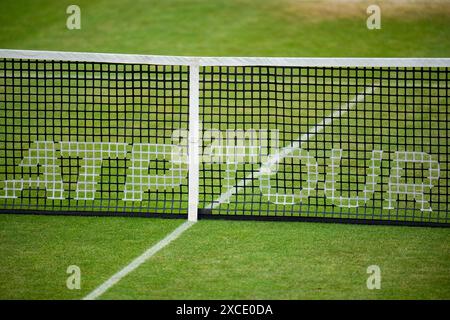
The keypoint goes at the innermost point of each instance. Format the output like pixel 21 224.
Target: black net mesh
pixel 352 143
pixel 358 144
pixel 92 137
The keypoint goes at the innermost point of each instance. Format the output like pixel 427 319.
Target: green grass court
pixel 235 259
pixel 221 259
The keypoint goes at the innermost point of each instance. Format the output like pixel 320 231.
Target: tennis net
pixel 345 140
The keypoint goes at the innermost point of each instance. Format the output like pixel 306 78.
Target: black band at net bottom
pixel 206 214
pixel 95 213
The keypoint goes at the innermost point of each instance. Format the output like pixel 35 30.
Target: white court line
pixel 286 151
pixel 150 252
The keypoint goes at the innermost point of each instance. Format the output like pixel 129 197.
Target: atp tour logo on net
pixel 232 148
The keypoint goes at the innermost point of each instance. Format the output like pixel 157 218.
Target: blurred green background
pixel 230 27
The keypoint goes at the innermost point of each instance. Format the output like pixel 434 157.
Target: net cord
pixel 223 61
